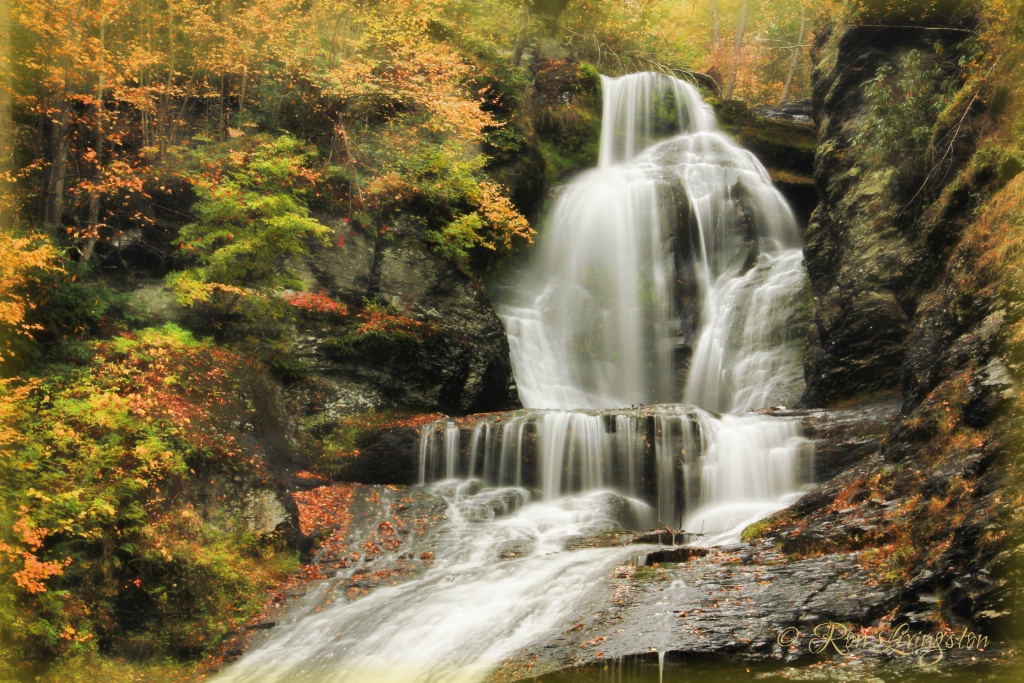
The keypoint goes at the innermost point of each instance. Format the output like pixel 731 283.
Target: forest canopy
pixel 394 93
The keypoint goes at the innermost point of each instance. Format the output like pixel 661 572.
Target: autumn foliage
pixel 214 141
pixel 318 305
pixel 24 258
pixel 209 146
pixel 104 481
pixel 119 89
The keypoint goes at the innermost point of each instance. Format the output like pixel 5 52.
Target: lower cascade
pixel 677 466
pixel 663 305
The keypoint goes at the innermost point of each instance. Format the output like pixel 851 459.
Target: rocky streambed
pixel 727 610
pixel 807 588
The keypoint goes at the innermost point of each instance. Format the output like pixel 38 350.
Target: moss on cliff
pixel 567 117
pixel 878 240
pixel 784 146
pixel 916 257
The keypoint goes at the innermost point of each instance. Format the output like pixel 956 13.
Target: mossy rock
pixel 377 455
pixel 996 164
pixel 566 116
pixel 756 530
pixel 785 145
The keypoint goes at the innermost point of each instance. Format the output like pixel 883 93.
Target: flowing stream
pixel 671 272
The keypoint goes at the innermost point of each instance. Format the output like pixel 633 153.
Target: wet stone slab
pixel 357 539
pixel 730 601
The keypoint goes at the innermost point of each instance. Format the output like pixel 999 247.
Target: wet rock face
pixel 903 309
pixel 844 438
pixel 783 138
pixel 354 539
pixel 875 243
pixel 743 601
pixel 460 362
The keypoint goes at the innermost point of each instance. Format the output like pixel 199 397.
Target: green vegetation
pixel 112 542
pixel 378 329
pixel 756 530
pixel 567 119
pixel 211 145
pixel 652 573
pixel 251 214
pixel 904 101
pixel 332 443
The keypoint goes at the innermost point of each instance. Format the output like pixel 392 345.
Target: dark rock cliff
pixel 459 364
pixel 876 242
pixel 902 305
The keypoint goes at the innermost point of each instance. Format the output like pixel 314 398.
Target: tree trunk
pixel 163 111
pixel 57 118
pixel 53 207
pixel 737 47
pixel 7 203
pixel 221 110
pixel 241 96
pixel 524 26
pixel 97 145
pixel 94 197
pixel 716 35
pixel 797 51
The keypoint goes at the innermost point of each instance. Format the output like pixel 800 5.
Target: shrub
pixel 251 215
pixel 903 102
pixel 379 330
pixel 102 538
pixel 332 444
pixel 317 306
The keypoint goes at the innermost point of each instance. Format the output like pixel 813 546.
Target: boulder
pixel 459 361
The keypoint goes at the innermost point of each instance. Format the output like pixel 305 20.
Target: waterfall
pixel 669 255
pixel 747 355
pixel 671 272
pixel 470 611
pixel 592 325
pixel 670 461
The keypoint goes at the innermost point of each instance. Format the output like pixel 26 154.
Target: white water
pixel 672 271
pixel 468 613
pixel 747 356
pixel 683 242
pixel 678 459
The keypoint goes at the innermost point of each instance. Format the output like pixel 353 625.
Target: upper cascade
pixel 641 109
pixel 671 270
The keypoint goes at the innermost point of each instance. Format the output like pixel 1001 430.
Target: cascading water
pixel 664 246
pixel 467 614
pixel 671 271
